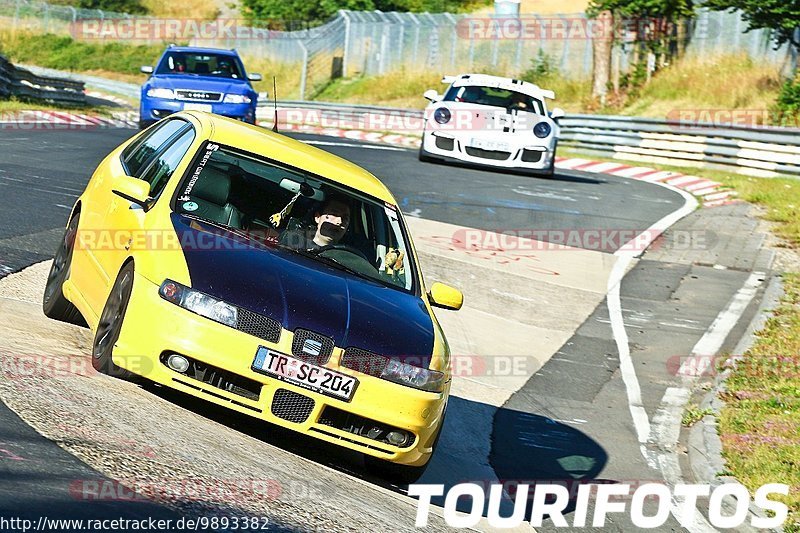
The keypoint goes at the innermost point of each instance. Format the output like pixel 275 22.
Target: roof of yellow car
pixel 275 146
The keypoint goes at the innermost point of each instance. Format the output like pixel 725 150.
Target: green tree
pixel 120 6
pixel 782 16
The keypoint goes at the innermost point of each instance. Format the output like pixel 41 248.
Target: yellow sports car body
pixel 202 256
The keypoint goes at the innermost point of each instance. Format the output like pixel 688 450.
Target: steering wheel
pixel 343 247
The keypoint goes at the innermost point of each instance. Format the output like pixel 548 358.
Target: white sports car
pixel 489 120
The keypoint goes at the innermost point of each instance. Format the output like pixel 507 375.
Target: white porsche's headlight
pixel 169 94
pixel 198 302
pixel 236 99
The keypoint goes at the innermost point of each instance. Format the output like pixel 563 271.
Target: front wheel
pixel 54 304
pixel 110 325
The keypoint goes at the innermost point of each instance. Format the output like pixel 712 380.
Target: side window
pixel 141 153
pixel 163 166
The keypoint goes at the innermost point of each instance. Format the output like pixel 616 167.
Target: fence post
pixel 16 13
pixel 454 42
pixel 416 38
pixel 400 38
pixel 346 52
pixel 304 71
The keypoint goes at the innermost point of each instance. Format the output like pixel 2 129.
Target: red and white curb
pixel 711 193
pixel 110 97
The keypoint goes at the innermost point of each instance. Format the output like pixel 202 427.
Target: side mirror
pixel 133 190
pixel 557 113
pixel 446 297
pixel 146 69
pixel 432 95
pixel 254 77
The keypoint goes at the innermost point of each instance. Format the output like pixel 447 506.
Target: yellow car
pixel 253 271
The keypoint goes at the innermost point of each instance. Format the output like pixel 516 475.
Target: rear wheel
pixel 54 304
pixel 110 325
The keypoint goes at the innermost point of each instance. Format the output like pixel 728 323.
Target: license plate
pixel 311 377
pixel 197 107
pixel 486 144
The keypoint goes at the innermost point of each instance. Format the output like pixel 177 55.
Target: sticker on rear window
pixel 210 149
pixel 190 206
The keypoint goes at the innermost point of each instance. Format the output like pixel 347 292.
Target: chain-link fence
pixel 374 42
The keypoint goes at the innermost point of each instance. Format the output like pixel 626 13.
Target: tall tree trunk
pixel 601 53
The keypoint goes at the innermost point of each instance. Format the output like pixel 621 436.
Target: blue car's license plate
pixel 298 372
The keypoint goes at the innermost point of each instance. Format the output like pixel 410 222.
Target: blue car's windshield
pixel 203 64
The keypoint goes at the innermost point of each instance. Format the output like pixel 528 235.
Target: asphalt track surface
pixel 43 171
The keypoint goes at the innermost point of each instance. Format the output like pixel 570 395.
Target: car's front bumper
pixel 521 152
pixel 144 339
pixel 154 109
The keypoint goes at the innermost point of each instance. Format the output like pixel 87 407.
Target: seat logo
pixel 312 347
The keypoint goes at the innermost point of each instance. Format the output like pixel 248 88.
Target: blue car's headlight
pixel 237 99
pixel 542 130
pixel 198 302
pixel 161 93
pixel 442 115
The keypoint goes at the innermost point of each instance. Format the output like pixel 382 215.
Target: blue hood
pixel 300 292
pixel 200 83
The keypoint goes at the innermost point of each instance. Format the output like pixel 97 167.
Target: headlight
pixel 542 130
pixel 442 115
pixel 236 99
pixel 161 93
pixel 413 376
pixel 198 302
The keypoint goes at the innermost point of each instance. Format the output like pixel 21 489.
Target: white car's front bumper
pixel 512 152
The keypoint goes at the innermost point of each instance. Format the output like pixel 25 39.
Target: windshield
pixel 474 94
pixel 220 65
pixel 303 213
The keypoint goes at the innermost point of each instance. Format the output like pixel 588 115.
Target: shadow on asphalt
pixel 525 448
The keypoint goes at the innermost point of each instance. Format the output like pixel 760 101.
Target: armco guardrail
pixel 24 84
pixel 762 151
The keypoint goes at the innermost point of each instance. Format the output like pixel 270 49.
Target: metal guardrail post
pixel 304 71
pixel 346 45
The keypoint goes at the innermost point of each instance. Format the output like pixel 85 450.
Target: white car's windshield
pixel 285 207
pixel 510 100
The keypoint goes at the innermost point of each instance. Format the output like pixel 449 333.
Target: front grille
pixel 358 425
pixel 219 378
pixel 204 96
pixel 363 361
pixel 443 143
pixel 258 325
pixel 487 154
pixel 312 347
pixel 531 156
pixel 291 406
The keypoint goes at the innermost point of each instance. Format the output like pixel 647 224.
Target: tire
pixel 397 473
pixel 110 325
pixel 54 304
pixel 423 155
